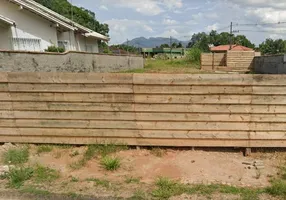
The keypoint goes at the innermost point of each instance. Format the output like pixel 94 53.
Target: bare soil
pixel 186 166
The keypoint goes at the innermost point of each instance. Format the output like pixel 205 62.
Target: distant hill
pixel 152 42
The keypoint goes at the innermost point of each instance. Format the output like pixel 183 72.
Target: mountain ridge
pixel 153 42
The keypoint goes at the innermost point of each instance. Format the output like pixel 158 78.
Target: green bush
pixel 55 49
pixel 15 156
pixel 194 55
pixel 17 176
pixel 45 174
pixel 110 163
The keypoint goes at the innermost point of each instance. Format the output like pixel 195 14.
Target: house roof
pixel 7 20
pixel 57 18
pixel 233 48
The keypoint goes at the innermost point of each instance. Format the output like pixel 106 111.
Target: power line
pixel 260 24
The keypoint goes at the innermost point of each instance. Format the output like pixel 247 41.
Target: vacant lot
pixel 168 66
pixel 118 172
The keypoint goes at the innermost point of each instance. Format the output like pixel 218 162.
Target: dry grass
pixel 168 66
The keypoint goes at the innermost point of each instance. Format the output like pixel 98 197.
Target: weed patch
pixel 97 150
pixel 109 163
pixel 158 152
pixel 45 174
pixel 44 149
pixel 35 191
pixel 130 179
pixel 100 182
pixel 17 176
pixel 15 156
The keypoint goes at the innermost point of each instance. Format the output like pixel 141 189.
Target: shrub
pixel 44 149
pixel 45 174
pixel 17 176
pixel 110 163
pixel 194 55
pixel 55 49
pixel 16 156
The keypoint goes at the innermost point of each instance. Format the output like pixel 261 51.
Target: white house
pixel 29 26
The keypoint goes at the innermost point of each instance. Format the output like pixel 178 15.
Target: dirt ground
pixel 185 166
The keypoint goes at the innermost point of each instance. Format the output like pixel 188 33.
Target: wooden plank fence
pixel 223 110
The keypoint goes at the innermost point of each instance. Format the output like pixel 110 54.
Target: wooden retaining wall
pixel 240 59
pixel 210 61
pixel 223 110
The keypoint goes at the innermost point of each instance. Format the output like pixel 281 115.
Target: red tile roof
pixel 233 48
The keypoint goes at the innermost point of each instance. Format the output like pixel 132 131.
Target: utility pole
pixel 127 46
pixel 230 37
pixel 171 47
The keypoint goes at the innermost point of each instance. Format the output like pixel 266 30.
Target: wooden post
pixel 247 151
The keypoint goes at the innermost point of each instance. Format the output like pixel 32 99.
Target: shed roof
pixel 233 48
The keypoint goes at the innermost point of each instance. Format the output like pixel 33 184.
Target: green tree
pixel 203 40
pixel 273 47
pixel 164 46
pixel 80 15
pixel 242 40
pixel 180 45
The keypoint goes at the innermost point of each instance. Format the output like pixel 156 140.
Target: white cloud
pixel 148 28
pixel 168 33
pixel 121 29
pixel 280 4
pixel 103 7
pixel 169 22
pixel 212 27
pixel 147 7
pixel 267 14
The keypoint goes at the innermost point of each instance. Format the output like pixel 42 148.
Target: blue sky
pixel 180 19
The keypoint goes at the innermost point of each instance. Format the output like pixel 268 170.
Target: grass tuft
pixel 15 156
pixel 130 179
pixel 139 195
pixel 158 152
pixel 44 149
pixel 97 150
pixel 45 174
pixel 167 188
pixel 99 182
pixel 35 191
pixel 109 163
pixel 17 176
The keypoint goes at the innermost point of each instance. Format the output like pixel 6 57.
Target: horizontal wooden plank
pixel 143 125
pixel 209 79
pixel 78 88
pixel 124 133
pixel 68 115
pixel 52 106
pixel 67 97
pixel 56 77
pixel 128 141
pixel 237 135
pixel 132 116
pixel 201 99
pixel 3 77
pixel 211 99
pixel 208 108
pixel 269 90
pixel 145 89
pixel 160 108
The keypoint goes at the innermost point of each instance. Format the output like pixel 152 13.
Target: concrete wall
pixel 69 62
pixel 270 64
pixel 29 25
pixel 5 35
